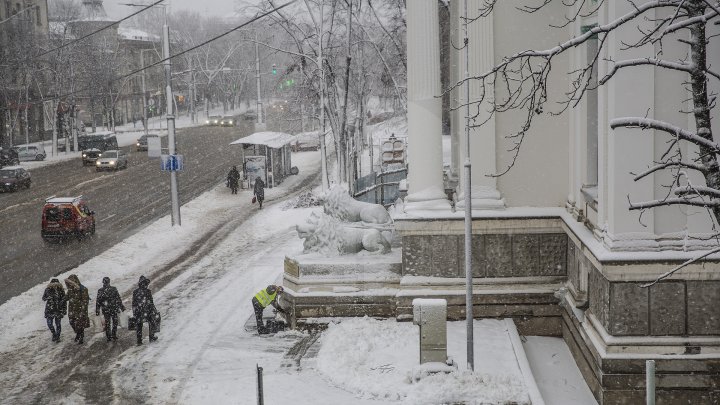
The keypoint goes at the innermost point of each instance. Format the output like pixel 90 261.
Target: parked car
pixel 14 177
pixel 306 141
pixel 8 157
pixel 227 121
pixel 66 216
pixel 250 115
pixel 112 160
pixel 213 120
pixel 141 143
pixel 30 152
pixel 93 145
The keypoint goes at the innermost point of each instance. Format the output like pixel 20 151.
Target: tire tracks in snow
pixel 64 372
pixel 191 290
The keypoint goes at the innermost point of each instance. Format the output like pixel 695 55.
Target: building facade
pixel 555 245
pixel 24 26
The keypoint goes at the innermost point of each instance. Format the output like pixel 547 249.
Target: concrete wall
pixel 494 255
pixel 623 308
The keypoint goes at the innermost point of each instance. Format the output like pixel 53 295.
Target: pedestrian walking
pixel 144 310
pixel 109 302
pixel 261 300
pixel 55 307
pixel 78 299
pixel 259 190
pixel 233 179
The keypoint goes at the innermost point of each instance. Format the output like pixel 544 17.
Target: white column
pixel 482 139
pixel 629 93
pixel 457 125
pixel 576 118
pixel 425 172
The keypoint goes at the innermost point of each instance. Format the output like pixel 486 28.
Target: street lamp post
pixel 175 203
pixel 144 92
pixel 259 106
pixel 468 209
pixel 174 200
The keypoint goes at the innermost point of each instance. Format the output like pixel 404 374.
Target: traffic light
pixel 274 69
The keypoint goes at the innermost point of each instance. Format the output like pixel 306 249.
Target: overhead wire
pixel 98 30
pixel 252 20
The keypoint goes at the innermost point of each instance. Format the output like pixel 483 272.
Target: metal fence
pixel 380 188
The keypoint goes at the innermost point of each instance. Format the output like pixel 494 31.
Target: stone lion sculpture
pixel 338 204
pixel 327 235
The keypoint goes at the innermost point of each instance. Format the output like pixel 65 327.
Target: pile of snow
pixel 374 359
pixel 304 200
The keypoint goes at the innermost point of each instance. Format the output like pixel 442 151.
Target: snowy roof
pixel 103 133
pixel 62 200
pixel 136 34
pixel 271 139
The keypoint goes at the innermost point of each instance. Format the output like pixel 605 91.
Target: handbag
pixel 254 199
pixel 156 320
pixel 132 323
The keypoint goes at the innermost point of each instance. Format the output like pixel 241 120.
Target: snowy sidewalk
pixel 203 286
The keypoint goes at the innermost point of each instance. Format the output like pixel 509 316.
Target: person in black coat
pixel 109 302
pixel 143 309
pixel 233 179
pixel 259 190
pixel 55 307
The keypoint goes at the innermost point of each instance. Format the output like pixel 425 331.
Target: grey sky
pixel 218 8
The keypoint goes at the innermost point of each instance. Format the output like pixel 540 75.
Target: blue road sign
pixel 171 163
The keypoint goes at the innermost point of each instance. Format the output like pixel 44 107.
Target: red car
pixel 66 216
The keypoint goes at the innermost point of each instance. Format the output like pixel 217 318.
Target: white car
pixel 31 152
pixel 112 160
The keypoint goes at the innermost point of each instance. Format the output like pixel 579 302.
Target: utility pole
pixel 259 106
pixel 175 212
pixel 144 93
pixel 323 152
pixel 191 92
pixel 73 111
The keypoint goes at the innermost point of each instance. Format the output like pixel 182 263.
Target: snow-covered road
pixel 215 253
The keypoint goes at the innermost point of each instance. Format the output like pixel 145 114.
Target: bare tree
pixel 354 58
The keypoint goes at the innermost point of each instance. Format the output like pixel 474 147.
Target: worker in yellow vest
pixel 266 296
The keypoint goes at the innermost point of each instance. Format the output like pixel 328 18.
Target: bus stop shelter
pixel 266 155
